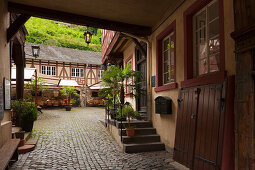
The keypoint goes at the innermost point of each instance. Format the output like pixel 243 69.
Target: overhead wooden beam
pixel 79 19
pixel 16 25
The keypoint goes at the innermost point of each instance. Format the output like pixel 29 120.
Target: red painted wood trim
pixel 166 87
pixel 109 49
pixel 126 61
pixel 188 37
pixel 228 151
pixel 159 75
pixel 211 78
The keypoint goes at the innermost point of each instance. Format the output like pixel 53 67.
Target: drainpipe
pixel 149 73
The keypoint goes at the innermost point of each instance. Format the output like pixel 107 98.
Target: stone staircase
pixel 24 147
pixel 145 140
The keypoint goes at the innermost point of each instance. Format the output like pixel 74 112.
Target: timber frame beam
pixel 16 25
pixel 79 19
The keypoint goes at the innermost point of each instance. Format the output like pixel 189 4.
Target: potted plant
pixel 28 116
pixel 17 108
pixel 25 113
pixel 67 92
pixel 129 113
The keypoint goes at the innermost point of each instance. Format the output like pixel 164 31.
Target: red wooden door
pixel 199 127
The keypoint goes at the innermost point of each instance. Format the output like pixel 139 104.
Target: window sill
pixel 166 87
pixel 212 78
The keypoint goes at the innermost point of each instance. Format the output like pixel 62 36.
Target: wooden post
pixel 244 37
pixel 20 81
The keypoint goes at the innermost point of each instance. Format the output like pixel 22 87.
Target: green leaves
pixel 48 32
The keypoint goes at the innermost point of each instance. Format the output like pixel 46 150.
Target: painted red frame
pixel 215 77
pixel 130 58
pixel 159 75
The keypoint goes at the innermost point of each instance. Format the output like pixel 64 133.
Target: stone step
pixel 26 148
pixel 140 131
pixel 143 147
pixel 141 139
pixel 135 124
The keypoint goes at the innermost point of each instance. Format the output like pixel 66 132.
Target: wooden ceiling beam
pixel 79 19
pixel 16 25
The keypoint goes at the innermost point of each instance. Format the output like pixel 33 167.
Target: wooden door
pixel 141 65
pixel 199 130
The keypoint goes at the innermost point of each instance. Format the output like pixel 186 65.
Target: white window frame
pixel 195 30
pixel 77 72
pixel 171 79
pixel 48 70
pixel 100 74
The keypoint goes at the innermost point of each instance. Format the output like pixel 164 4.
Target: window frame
pixel 210 78
pixel 100 73
pixel 46 70
pixel 160 86
pixel 75 73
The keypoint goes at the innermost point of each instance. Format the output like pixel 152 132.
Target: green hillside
pixel 54 33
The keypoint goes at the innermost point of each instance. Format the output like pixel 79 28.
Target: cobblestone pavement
pixel 77 140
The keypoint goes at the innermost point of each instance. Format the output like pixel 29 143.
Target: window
pixel 165 59
pixel 168 59
pixel 49 70
pixel 94 94
pixel 100 74
pixel 206 43
pixel 77 72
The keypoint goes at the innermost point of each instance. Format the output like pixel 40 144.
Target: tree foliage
pixel 54 33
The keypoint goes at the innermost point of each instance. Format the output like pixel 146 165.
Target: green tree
pixel 67 92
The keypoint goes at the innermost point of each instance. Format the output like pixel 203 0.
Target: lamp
pixel 87 36
pixel 35 50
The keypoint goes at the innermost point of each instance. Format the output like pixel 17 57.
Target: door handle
pixel 193 116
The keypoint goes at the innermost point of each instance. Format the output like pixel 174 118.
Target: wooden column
pixel 244 37
pixel 18 55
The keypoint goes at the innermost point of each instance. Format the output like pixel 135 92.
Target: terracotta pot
pixel 130 132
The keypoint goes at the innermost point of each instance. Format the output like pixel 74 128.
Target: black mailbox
pixel 163 105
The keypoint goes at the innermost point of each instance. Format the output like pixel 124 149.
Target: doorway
pixel 141 66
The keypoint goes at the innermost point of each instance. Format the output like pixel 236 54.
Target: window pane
pixel 214 46
pixel 165 56
pixel 53 71
pixel 214 62
pixel 166 44
pixel 203 66
pixel 43 70
pixel 166 78
pixel 214 28
pixel 82 73
pixel 77 72
pixel 200 19
pixel 213 11
pixel 165 70
pixel 48 70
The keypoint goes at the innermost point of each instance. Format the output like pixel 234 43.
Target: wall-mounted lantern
pixel 35 50
pixel 88 37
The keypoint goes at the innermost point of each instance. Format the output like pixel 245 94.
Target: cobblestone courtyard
pixel 77 140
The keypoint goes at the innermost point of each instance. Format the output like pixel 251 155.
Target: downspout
pixel 149 72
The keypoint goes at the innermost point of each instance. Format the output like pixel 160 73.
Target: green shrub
pixel 29 113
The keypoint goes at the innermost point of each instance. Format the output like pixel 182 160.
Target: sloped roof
pixel 61 54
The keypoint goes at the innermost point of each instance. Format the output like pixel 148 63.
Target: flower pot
pixel 68 108
pixel 130 132
pixel 27 125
